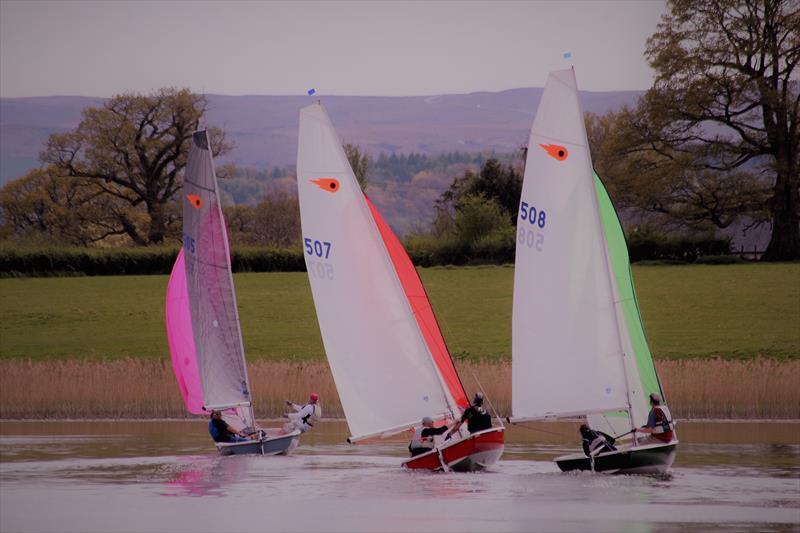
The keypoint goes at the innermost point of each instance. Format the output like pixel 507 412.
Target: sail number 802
pixel 317 248
pixel 529 213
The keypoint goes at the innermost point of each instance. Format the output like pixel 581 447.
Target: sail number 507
pixel 317 248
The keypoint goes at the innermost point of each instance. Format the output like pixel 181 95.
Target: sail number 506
pixel 318 248
pixel 529 213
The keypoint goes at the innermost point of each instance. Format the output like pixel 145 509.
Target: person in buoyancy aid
pixel 221 431
pixel 475 416
pixel 595 442
pixel 660 425
pixel 304 415
pixel 423 439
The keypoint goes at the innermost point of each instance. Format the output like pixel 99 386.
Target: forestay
pixel 215 318
pixel 567 344
pixel 384 372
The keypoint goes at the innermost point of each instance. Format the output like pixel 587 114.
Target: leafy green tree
pixel 274 221
pixel 132 150
pixel 724 110
pixel 670 192
pixel 45 207
pixel 359 162
pixel 495 181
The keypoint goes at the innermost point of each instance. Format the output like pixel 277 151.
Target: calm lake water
pixel 166 476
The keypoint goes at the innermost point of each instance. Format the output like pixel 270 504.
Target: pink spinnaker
pixel 181 339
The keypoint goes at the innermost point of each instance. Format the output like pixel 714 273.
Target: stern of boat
pixel 647 459
pixel 476 452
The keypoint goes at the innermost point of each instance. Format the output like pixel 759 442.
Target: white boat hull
pixel 267 445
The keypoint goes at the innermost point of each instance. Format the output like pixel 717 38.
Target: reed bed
pixel 717 388
pixel 143 388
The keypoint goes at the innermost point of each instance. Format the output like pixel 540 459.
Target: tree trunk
pixel 784 245
pixel 158 224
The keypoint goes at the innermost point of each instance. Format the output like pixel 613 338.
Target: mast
pixel 609 270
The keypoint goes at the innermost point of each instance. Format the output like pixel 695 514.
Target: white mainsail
pixel 212 300
pixel 384 372
pixel 571 350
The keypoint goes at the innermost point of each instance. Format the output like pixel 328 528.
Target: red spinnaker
pixel 421 306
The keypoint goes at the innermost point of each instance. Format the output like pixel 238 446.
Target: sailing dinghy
pixel 203 332
pixel 382 340
pixel 578 345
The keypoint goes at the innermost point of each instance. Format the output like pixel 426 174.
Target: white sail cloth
pixel 215 318
pixel 567 341
pixel 383 370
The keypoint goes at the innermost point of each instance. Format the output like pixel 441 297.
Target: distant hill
pixel 264 128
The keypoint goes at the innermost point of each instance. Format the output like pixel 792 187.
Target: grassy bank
pixel 142 388
pixel 728 311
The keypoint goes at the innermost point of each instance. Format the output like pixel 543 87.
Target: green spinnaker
pixel 618 252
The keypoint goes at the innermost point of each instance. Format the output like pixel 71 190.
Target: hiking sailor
pixel 659 422
pixel 475 416
pixel 595 442
pixel 304 415
pixel 221 431
pixel 423 439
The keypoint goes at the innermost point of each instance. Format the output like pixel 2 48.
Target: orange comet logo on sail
pixel 327 184
pixel 195 200
pixel 555 151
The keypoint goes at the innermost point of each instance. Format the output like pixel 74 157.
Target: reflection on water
pixel 155 476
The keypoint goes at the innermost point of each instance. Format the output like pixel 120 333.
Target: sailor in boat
pixel 423 439
pixel 475 416
pixel 221 431
pixel 304 415
pixel 595 442
pixel 659 424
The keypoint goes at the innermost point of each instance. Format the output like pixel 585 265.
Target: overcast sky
pixel 98 48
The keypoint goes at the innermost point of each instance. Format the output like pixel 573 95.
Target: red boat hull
pixel 473 453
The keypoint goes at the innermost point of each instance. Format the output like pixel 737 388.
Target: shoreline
pixel 200 418
pixel 139 389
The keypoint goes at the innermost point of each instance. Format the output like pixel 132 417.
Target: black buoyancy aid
pixel 479 420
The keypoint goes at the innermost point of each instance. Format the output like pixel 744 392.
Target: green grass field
pixel 737 311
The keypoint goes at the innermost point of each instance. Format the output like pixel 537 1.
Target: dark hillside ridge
pixel 264 128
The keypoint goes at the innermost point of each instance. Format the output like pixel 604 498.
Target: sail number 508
pixel 531 239
pixel 318 248
pixel 529 213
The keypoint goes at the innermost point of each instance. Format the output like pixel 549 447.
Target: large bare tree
pixel 721 121
pixel 133 150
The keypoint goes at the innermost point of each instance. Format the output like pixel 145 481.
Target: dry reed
pixel 140 388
